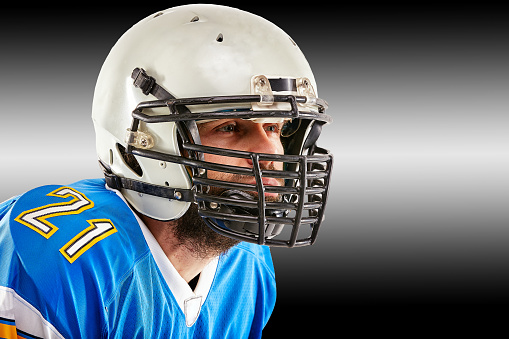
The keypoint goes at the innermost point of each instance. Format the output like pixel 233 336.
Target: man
pixel 206 121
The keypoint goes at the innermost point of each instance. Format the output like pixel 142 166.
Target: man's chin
pixel 193 233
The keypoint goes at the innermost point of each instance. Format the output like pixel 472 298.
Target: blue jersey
pixel 76 262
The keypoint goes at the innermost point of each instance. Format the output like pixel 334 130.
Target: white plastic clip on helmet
pixel 197 63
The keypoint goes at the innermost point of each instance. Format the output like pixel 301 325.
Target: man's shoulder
pixel 51 208
pixel 66 230
pixel 49 201
pixel 66 246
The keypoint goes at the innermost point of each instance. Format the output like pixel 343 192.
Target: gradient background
pixel 416 229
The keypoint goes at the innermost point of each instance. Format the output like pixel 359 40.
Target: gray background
pixel 416 229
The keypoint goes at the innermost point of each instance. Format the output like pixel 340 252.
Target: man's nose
pixel 259 141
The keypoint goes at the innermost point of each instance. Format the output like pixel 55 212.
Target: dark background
pixel 416 233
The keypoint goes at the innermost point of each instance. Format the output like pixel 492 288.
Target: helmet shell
pixel 192 51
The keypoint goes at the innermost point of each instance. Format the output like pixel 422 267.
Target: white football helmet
pixel 195 63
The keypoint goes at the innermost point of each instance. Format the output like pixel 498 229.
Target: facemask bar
pixel 303 197
pixel 172 104
pixel 294 211
pixel 241 211
pixel 307 193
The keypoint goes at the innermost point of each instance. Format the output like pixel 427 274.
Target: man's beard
pixel 192 232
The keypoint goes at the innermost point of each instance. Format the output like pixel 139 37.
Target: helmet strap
pixel 115 182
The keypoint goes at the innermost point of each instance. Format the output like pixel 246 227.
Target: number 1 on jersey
pixel 98 230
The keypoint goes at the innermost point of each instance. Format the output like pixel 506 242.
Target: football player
pixel 206 121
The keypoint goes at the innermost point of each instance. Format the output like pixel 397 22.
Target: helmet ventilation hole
pixel 158 14
pixel 219 37
pixel 196 18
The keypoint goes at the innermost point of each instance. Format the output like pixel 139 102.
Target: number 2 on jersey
pixel 98 229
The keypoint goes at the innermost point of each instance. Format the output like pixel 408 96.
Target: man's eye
pixel 227 128
pixel 272 128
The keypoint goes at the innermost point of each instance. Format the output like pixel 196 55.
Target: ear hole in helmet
pixel 129 160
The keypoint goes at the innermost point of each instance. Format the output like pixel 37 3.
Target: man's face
pixel 243 135
pixel 235 134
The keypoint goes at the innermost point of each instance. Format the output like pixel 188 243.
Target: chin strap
pixel 115 182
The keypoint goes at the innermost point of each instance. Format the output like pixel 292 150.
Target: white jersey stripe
pixel 26 317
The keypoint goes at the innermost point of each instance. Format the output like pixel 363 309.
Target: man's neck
pixel 187 263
